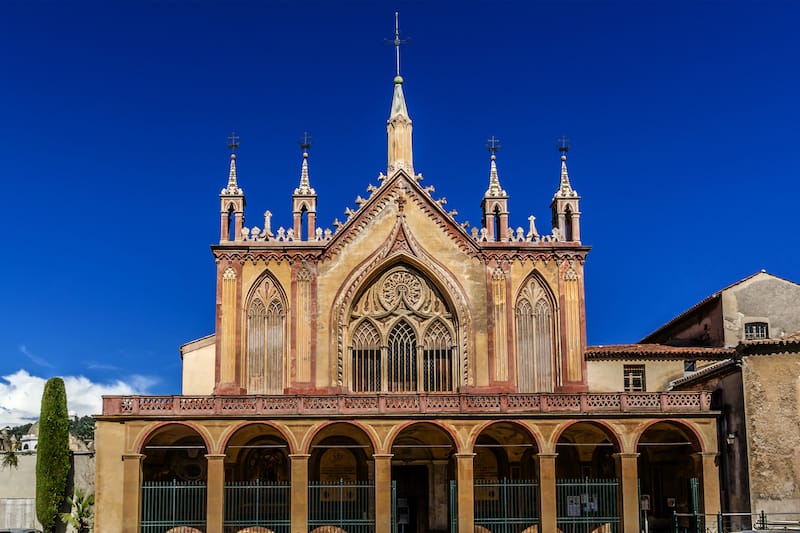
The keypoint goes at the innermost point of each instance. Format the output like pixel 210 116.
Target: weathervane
pixel 233 142
pixel 493 145
pixel 397 41
pixel 306 142
pixel 563 145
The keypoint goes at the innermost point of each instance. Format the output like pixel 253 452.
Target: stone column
pixel 465 492
pixel 710 485
pixel 547 491
pixel 628 473
pixel 383 492
pixel 299 492
pixel 131 492
pixel 215 493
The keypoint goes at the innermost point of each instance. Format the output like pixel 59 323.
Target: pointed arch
pixel 437 358
pixel 264 353
pixel 401 358
pixel 366 357
pixel 536 337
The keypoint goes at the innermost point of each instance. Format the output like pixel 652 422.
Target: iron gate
pixel 505 506
pixel 168 504
pixel 348 506
pixel 258 503
pixel 587 505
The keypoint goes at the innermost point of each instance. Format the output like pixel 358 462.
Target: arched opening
pixel 670 475
pixel 264 352
pixel 506 477
pixel 587 479
pixel 498 231
pixel 568 230
pixel 341 473
pixel 257 479
pixel 535 336
pixel 174 478
pixel 423 469
pixel 402 358
pixel 402 335
pixel 230 223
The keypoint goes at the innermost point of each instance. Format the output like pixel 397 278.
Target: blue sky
pixel 114 116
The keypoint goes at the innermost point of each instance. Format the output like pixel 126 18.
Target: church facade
pixel 400 373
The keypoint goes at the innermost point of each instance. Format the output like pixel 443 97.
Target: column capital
pixel 708 454
pixel 216 456
pixel 625 455
pixel 382 456
pixel 132 456
pixel 545 455
pixel 469 455
pixel 299 456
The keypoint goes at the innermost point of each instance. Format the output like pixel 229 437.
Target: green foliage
pixel 52 455
pixel 83 428
pixel 20 431
pixel 82 514
pixel 10 459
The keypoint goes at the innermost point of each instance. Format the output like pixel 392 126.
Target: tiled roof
pixel 703 372
pixel 707 299
pixel 768 346
pixel 655 351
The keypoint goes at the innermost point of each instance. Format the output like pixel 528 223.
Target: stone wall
pixel 772 403
pixel 18 488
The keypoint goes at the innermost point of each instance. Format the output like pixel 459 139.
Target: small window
pixel 633 378
pixel 690 365
pixel 756 330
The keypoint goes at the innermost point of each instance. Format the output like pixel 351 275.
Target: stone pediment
pixel 400 193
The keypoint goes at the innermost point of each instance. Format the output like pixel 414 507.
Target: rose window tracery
pixel 402 336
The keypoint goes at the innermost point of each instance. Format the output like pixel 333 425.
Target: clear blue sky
pixel 683 118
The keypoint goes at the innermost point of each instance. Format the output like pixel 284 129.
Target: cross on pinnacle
pixel 397 41
pixel 306 142
pixel 493 145
pixel 233 142
pixel 563 145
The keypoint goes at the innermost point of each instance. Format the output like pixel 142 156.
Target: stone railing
pixel 424 404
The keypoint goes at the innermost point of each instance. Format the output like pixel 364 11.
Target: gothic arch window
pixel 402 335
pixel 264 354
pixel 366 364
pixel 402 358
pixel 437 355
pixel 535 336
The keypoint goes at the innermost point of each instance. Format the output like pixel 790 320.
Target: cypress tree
pixel 52 454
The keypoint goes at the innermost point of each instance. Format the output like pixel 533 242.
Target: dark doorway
pixel 412 498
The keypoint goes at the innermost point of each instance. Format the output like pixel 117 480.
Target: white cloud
pixel 21 395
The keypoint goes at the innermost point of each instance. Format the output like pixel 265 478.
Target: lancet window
pixel 266 325
pixel 402 336
pixel 535 333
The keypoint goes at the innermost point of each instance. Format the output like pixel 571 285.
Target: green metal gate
pixel 257 503
pixel 453 508
pixel 587 505
pixel 168 504
pixel 504 506
pixel 348 506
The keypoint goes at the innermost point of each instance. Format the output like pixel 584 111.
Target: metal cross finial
pixel 233 142
pixel 493 145
pixel 563 144
pixel 306 142
pixel 397 41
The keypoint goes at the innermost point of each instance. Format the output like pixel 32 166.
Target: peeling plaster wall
pixel 772 404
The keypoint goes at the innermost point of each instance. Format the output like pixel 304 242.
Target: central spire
pixel 398 127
